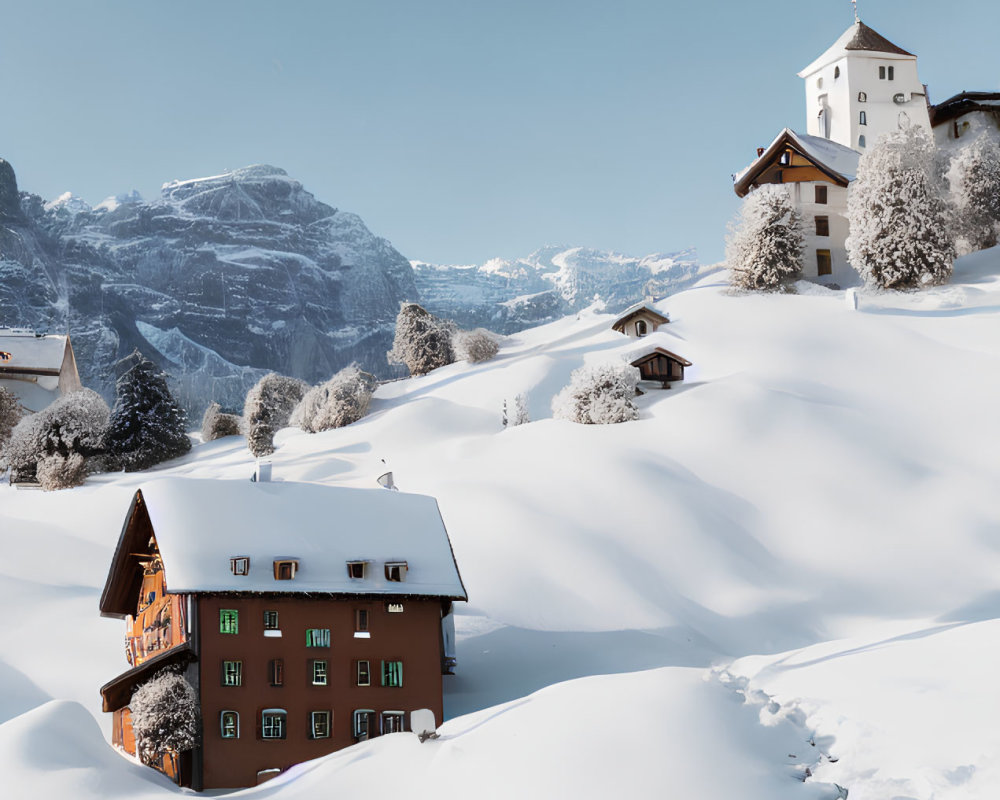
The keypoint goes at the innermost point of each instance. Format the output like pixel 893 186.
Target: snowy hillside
pixel 781 579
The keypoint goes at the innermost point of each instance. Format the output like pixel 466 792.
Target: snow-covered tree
pixel 61 472
pixel 11 412
pixel 974 182
pixel 147 425
pixel 422 341
pixel 340 401
pixel 475 346
pixel 267 409
pixel 899 223
pixel 600 394
pixel 515 411
pixel 74 423
pixel 165 716
pixel 215 423
pixel 765 242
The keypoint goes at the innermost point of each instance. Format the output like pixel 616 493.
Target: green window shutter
pixel 229 620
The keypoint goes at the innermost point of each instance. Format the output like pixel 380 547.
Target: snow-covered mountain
pixel 220 279
pixel 510 295
pixel 780 579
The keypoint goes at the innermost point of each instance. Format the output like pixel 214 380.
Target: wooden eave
pixel 121 590
pixel 621 322
pixel 964 103
pixel 659 351
pixel 28 371
pixel 117 693
pixel 769 158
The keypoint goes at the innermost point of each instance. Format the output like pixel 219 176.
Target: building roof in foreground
pixel 859 37
pixel 24 350
pixel 200 524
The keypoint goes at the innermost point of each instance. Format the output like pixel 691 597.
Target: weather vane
pixel 855 4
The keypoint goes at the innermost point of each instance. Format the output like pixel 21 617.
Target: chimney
pixel 262 472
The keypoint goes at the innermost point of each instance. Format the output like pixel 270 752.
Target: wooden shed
pixel 661 365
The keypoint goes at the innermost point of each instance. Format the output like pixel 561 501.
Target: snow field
pixel 822 474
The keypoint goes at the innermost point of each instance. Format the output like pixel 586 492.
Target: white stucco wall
pixel 804 197
pixel 859 72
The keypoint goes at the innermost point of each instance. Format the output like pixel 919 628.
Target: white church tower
pixel 861 87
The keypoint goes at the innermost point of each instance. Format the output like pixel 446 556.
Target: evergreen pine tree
pixel 899 223
pixel 147 425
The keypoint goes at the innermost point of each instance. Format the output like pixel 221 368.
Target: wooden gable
pixel 785 162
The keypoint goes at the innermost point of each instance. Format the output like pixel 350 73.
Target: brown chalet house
pixel 306 617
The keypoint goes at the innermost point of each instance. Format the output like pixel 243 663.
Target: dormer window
pixel 356 570
pixel 239 565
pixel 395 571
pixel 285 570
pixel 641 328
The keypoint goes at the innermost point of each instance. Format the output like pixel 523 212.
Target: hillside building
pixel 306 617
pixel 37 368
pixel 860 88
pixel 639 321
pixel 965 115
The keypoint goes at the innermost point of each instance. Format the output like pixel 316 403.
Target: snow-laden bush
pixel 147 425
pixel 75 423
pixel 11 412
pixel 215 424
pixel 475 346
pixel 974 186
pixel 899 223
pixel 340 401
pixel 165 716
pixel 765 242
pixel 515 411
pixel 600 394
pixel 61 472
pixel 422 341
pixel 267 409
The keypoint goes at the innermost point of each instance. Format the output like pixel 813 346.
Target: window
pixel 232 673
pixel 318 672
pixel 394 608
pixel 395 570
pixel 822 226
pixel 836 73
pixel 229 620
pixel 273 723
pixel 364 674
pixel 239 565
pixel 785 158
pixel 881 73
pixel 363 719
pixel 819 83
pixel 285 570
pixel 392 721
pixel 886 73
pixel 229 725
pixel 392 673
pixel 270 620
pixel 863 118
pixel 276 672
pixel 892 73
pixel 361 619
pixel 862 97
pixel 319 724
pixel 317 637
pixel 861 140
pixel 824 264
pixel 356 569
pixel 640 327
pixel 821 195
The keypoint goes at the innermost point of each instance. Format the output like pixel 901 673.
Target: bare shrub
pixel 475 346
pixel 340 401
pixel 61 472
pixel 165 716
pixel 422 341
pixel 215 424
pixel 267 409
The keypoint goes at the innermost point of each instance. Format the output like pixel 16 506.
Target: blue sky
pixel 459 130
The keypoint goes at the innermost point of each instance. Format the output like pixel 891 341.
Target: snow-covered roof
pixel 24 349
pixel 859 37
pixel 201 524
pixel 837 160
pixel 636 310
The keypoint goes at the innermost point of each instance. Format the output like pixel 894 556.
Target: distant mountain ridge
pixel 510 295
pixel 224 278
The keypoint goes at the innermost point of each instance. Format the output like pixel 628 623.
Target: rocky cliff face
pixel 220 280
pixel 507 296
